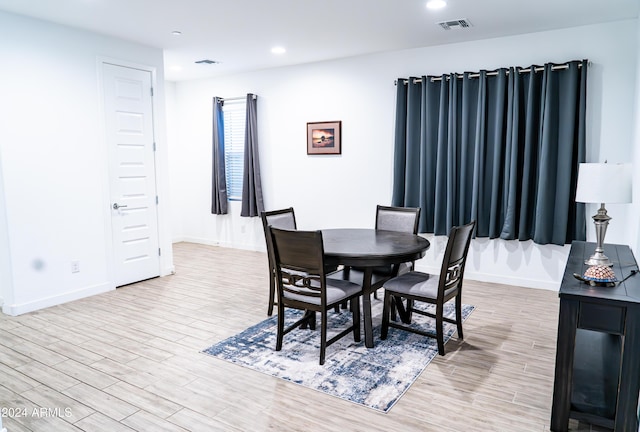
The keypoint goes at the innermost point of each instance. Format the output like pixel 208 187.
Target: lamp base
pixel 598 259
pixel 601 221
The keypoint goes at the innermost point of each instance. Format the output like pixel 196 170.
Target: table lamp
pixel 603 183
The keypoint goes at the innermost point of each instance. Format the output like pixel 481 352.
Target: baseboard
pixel 498 279
pixel 19 309
pixel 509 280
pixel 249 247
pixel 197 240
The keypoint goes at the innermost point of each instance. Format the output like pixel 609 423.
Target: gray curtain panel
pixel 252 203
pixel 218 180
pixel 501 148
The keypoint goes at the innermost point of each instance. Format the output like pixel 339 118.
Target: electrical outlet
pixel 75 266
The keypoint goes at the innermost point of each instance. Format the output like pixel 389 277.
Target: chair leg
pixel 440 328
pixel 355 311
pixel 280 332
pixel 394 302
pixel 459 316
pixel 409 310
pixel 272 294
pixel 310 321
pixel 323 336
pixel 386 311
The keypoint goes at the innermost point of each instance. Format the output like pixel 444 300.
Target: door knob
pixel 116 206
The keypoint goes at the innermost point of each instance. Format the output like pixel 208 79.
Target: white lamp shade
pixel 604 183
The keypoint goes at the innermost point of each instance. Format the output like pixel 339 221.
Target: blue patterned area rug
pixel 375 377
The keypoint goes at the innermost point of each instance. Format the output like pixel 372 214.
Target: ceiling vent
pixel 207 61
pixel 455 24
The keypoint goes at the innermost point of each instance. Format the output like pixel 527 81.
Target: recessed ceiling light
pixel 176 33
pixel 436 4
pixel 278 50
pixel 176 68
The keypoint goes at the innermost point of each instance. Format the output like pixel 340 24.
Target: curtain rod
pixel 494 73
pixel 237 98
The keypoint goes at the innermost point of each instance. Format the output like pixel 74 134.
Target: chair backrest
pixel 455 258
pixel 285 219
pixel 401 219
pixel 299 262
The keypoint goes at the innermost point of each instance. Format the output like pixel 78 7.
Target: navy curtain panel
pixel 218 179
pixel 252 203
pixel 501 148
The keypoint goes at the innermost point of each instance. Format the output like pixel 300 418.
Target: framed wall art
pixel 324 138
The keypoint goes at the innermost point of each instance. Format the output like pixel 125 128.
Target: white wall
pixel 175 154
pixel 634 214
pixel 5 255
pixel 54 174
pixel 342 191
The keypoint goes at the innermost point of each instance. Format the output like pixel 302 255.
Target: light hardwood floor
pixel 130 360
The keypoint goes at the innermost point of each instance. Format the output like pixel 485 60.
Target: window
pixel 234 112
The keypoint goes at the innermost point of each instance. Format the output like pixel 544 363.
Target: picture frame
pixel 324 138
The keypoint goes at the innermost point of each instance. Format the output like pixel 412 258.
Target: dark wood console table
pixel 597 376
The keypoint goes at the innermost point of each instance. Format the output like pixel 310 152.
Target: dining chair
pixel 286 219
pixel 400 219
pixel 420 287
pixel 302 284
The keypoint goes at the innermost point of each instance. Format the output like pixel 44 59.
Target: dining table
pixel 369 250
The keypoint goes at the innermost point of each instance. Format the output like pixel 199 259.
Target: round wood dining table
pixel 367 249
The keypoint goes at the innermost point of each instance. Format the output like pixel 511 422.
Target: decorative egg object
pixel 600 273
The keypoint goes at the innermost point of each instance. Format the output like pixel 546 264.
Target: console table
pixel 597 376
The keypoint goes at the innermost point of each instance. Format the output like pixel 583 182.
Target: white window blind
pixel 234 112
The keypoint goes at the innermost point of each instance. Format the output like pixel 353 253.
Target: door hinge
pixel 154 146
pixel 151 91
pixel 159 252
pixel 156 199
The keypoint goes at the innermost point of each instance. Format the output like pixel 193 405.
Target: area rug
pixel 375 378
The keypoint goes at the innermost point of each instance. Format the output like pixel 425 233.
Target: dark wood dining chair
pixel 389 218
pixel 285 219
pixel 302 284
pixel 420 287
pixel 400 219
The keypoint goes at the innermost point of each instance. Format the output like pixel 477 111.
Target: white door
pixel 132 180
